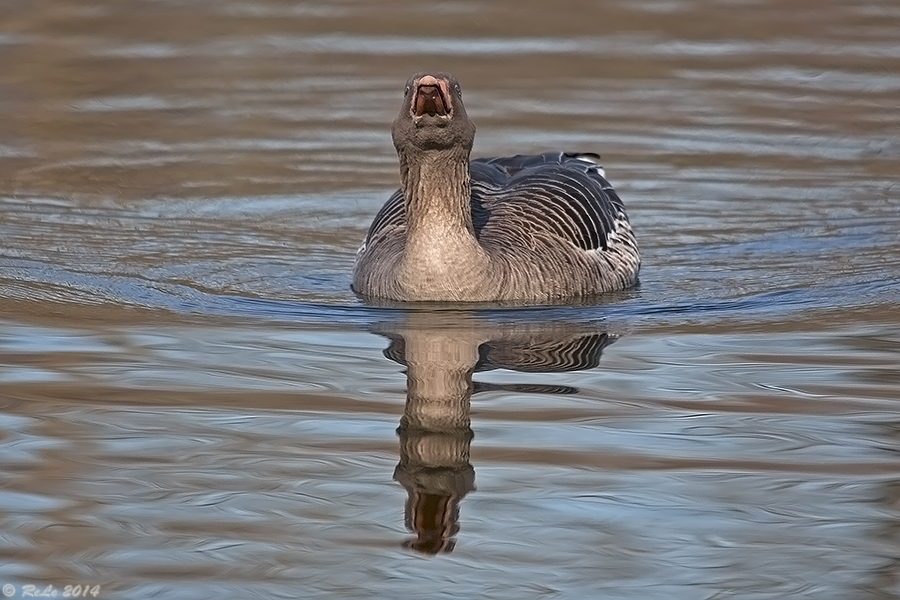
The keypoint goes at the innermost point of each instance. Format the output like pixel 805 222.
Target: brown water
pixel 194 405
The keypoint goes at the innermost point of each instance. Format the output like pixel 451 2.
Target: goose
pixel 540 228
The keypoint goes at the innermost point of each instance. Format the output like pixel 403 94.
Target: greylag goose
pixel 538 228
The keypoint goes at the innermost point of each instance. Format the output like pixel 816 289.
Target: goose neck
pixel 437 191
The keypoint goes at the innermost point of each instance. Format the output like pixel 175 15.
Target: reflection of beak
pixel 433 518
pixel 432 98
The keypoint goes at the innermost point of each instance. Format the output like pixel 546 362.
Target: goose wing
pixel 561 192
pixel 566 194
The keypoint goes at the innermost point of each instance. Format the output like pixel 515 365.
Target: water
pixel 194 405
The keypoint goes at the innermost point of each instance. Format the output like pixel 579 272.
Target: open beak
pixel 431 98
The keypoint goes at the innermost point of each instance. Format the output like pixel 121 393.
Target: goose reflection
pixel 435 431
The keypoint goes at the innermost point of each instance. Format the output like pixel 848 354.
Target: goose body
pixel 537 228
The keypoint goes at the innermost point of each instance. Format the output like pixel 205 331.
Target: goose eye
pixel 406 91
pixel 456 89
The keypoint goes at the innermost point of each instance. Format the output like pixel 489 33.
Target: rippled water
pixel 194 405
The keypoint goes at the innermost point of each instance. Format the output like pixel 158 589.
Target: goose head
pixel 432 116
